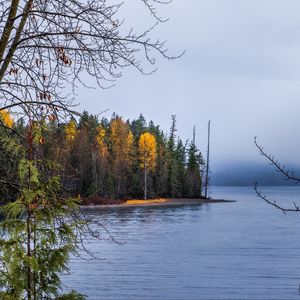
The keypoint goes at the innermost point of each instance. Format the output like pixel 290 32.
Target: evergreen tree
pixel 138 126
pixel 172 162
pixel 181 169
pixel 38 235
pixel 194 165
pixel 121 148
pixel 162 171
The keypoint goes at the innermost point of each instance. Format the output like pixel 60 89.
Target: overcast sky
pixel 241 70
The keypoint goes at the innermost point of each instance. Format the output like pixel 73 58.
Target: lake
pixel 241 250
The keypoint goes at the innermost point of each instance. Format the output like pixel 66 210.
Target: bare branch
pixel 274 203
pixel 289 175
pixel 52 43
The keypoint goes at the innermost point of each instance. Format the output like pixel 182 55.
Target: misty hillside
pixel 247 174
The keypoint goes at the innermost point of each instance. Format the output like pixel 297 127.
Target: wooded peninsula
pixel 103 161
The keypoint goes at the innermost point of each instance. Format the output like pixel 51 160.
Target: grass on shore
pixel 150 201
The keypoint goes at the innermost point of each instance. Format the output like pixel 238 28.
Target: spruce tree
pixel 172 162
pixel 37 234
pixel 194 165
pixel 181 169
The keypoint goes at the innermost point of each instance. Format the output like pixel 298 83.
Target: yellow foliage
pixel 101 133
pixel 121 141
pixel 147 150
pixel 6 118
pixel 70 131
pixel 138 202
pixel 130 138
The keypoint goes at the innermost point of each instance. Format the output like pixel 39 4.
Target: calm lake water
pixel 241 250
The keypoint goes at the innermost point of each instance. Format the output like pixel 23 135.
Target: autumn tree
pixel 147 150
pixel 6 118
pixel 121 147
pixel 70 131
pixel 84 156
pixel 102 155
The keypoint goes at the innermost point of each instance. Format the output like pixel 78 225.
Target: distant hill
pixel 246 174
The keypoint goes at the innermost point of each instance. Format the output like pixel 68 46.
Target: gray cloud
pixel 241 70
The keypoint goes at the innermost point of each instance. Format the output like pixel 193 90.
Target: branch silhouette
pixel 287 175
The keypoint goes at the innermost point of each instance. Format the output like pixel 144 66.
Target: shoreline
pixel 159 202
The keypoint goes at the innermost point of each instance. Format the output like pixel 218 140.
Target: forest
pixel 102 161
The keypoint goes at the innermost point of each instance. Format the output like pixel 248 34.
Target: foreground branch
pixel 287 174
pixel 274 203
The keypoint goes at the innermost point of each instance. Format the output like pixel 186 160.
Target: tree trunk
pixel 29 273
pixel 145 183
pixel 28 220
pixel 8 27
pixel 16 39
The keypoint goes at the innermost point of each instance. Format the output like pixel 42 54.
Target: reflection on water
pixel 242 250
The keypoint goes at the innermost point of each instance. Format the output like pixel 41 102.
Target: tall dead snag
pixel 207 162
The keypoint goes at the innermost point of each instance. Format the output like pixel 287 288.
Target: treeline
pixel 114 159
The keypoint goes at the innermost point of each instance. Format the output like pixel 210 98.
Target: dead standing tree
pixel 287 174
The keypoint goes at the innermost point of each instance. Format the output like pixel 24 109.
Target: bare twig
pixel 287 174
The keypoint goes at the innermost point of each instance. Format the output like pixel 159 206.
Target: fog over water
pixel 241 69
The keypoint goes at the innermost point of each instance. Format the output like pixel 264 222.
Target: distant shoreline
pixel 160 202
